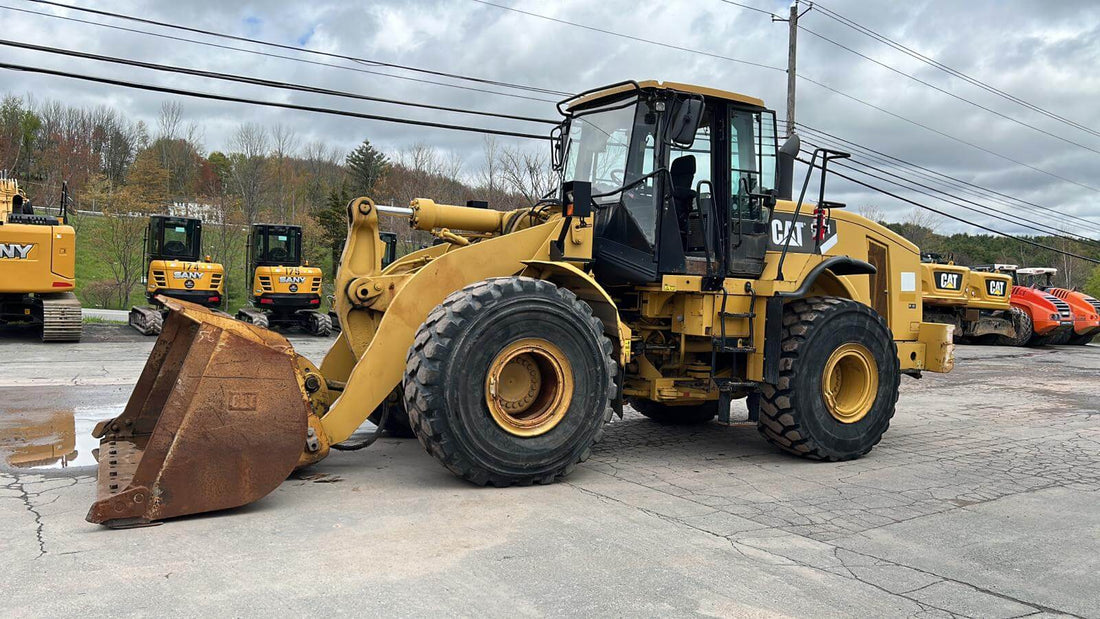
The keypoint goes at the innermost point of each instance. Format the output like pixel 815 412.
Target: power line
pixel 948 92
pixel 979 188
pixel 954 217
pixel 800 76
pixel 960 202
pixel 305 50
pixel 946 190
pixel 629 36
pixel 289 106
pixel 259 81
pixel 954 72
pixel 273 55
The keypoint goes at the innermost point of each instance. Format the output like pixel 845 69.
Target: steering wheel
pixel 277 254
pixel 175 248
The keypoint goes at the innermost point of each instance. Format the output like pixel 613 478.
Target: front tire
pixel 510 381
pixel 838 381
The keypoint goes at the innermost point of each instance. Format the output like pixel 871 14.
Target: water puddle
pixel 42 439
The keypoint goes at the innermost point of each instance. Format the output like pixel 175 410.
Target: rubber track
pixel 777 424
pixel 424 370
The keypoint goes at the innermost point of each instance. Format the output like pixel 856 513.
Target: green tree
pixel 1093 285
pixel 366 166
pixel 332 217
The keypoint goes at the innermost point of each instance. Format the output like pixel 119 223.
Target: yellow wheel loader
pixel 673 272
pixel 976 303
pixel 285 291
pixel 175 268
pixel 38 266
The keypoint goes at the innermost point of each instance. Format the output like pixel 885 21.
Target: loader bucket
pixel 217 419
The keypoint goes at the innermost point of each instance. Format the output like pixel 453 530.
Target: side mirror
pixel 557 147
pixel 787 154
pixel 684 122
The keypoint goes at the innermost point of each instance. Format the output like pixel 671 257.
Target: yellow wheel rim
pixel 529 387
pixel 849 383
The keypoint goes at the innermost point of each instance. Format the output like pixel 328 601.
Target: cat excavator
pixel 674 271
pixel 38 266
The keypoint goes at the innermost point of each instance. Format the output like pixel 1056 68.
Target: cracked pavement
pixel 980 501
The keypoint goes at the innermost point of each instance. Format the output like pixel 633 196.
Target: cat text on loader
pixel 674 273
pixel 38 266
pixel 174 267
pixel 976 303
pixel 286 292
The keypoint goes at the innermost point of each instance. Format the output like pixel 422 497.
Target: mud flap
pixel 218 419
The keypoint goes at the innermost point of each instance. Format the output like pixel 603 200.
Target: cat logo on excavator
pixel 651 280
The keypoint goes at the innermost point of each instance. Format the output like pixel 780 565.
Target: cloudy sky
pixel 1042 51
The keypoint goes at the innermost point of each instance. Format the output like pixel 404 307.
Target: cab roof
pixel 713 93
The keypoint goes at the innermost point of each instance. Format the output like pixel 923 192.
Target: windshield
pixel 613 146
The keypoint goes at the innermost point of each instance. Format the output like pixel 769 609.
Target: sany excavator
pixel 1085 308
pixel 673 272
pixel 174 268
pixel 38 266
pixel 286 291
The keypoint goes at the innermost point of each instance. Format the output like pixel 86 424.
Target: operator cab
pixel 683 179
pixel 173 238
pixel 275 245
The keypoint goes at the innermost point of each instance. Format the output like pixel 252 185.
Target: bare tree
pixel 527 173
pixel 248 168
pixel 872 211
pixel 285 144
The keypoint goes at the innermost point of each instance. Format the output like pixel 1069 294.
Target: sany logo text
pixel 15 250
pixel 186 275
pixel 285 279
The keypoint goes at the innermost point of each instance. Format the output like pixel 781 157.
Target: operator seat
pixel 682 172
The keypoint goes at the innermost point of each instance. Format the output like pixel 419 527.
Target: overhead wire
pixel 289 106
pixel 297 48
pixel 1006 199
pixel 942 213
pixel 978 208
pixel 260 81
pixel 799 76
pixel 947 69
pixel 274 55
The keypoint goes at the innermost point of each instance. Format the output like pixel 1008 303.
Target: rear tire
pixel 682 415
pixel 827 340
pixel 320 324
pixel 1081 340
pixel 1021 323
pixel 1055 339
pixel 510 381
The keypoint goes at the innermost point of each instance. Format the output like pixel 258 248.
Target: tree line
pixel 119 170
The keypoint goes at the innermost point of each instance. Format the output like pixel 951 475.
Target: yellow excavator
pixel 286 291
pixel 175 268
pixel 674 271
pixel 38 266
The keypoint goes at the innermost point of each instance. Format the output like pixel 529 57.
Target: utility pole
pixel 792 57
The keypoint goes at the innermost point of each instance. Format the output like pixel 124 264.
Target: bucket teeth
pixel 217 419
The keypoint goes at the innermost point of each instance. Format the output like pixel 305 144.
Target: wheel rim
pixel 849 383
pixel 529 387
